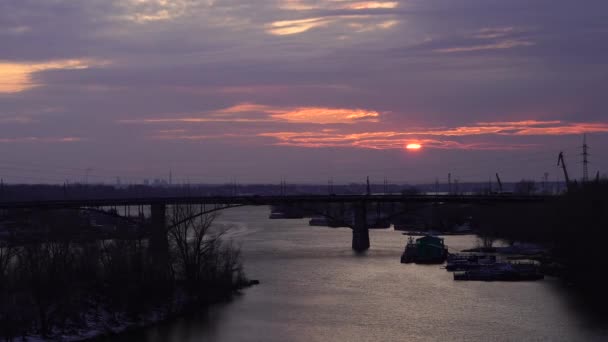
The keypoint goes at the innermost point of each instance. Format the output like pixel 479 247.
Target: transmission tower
pixel 585 159
pixel 449 183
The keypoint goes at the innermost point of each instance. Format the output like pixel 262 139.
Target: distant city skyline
pixel 301 90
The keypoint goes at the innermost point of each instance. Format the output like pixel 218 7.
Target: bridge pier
pixel 360 229
pixel 159 243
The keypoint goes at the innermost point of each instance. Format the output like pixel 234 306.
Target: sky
pixel 217 91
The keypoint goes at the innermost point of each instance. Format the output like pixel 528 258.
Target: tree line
pixel 66 286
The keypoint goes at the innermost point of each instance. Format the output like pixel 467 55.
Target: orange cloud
pixel 377 141
pixel 192 120
pixel 247 107
pixel 352 18
pixel 17 77
pixel 194 137
pixel 338 136
pixel 251 112
pixel 306 5
pixel 320 115
pixel 370 5
pixel 435 138
pixel 527 127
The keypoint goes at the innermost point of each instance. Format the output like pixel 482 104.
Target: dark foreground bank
pixel 67 290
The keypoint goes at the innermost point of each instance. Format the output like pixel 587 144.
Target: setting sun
pixel 413 146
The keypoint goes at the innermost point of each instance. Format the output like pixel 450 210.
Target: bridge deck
pixel 272 200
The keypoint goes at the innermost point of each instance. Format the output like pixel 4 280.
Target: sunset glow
pixel 260 90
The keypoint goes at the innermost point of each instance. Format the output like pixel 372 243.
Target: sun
pixel 413 146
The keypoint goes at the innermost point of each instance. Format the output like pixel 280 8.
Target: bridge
pixel 360 238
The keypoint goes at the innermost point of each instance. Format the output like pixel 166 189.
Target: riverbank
pixel 73 290
pixel 158 318
pixel 101 325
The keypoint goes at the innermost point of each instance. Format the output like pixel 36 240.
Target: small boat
pixel 501 272
pixel 464 262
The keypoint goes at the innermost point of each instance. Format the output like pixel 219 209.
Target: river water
pixel 315 288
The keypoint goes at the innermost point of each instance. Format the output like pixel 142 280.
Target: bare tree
pixel 7 252
pixel 192 242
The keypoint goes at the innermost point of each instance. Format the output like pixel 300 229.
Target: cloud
pixel 437 138
pixel 15 30
pixel 17 120
pixel 361 15
pixel 40 140
pixel 146 11
pixel 307 5
pixel 287 27
pixel 492 33
pixel 17 77
pixel 250 112
pixel 319 115
pixel 505 44
pixel 451 74
pixel 358 5
pixel 527 127
pixel 379 141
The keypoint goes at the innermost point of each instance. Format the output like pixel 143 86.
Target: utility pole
pixel 585 159
pixel 283 187
pixel 490 185
pixel 87 171
pixel 385 185
pixel 369 189
pixel 449 183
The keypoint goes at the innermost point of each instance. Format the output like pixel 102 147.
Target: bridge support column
pixel 360 229
pixel 159 243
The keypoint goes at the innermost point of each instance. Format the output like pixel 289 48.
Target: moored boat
pixel 425 250
pixel 501 272
pixel 464 262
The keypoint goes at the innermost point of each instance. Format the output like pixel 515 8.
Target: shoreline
pixel 103 325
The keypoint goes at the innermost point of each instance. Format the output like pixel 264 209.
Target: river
pixel 315 288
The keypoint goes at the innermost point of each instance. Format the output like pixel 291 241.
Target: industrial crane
pixel 562 163
pixel 499 183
